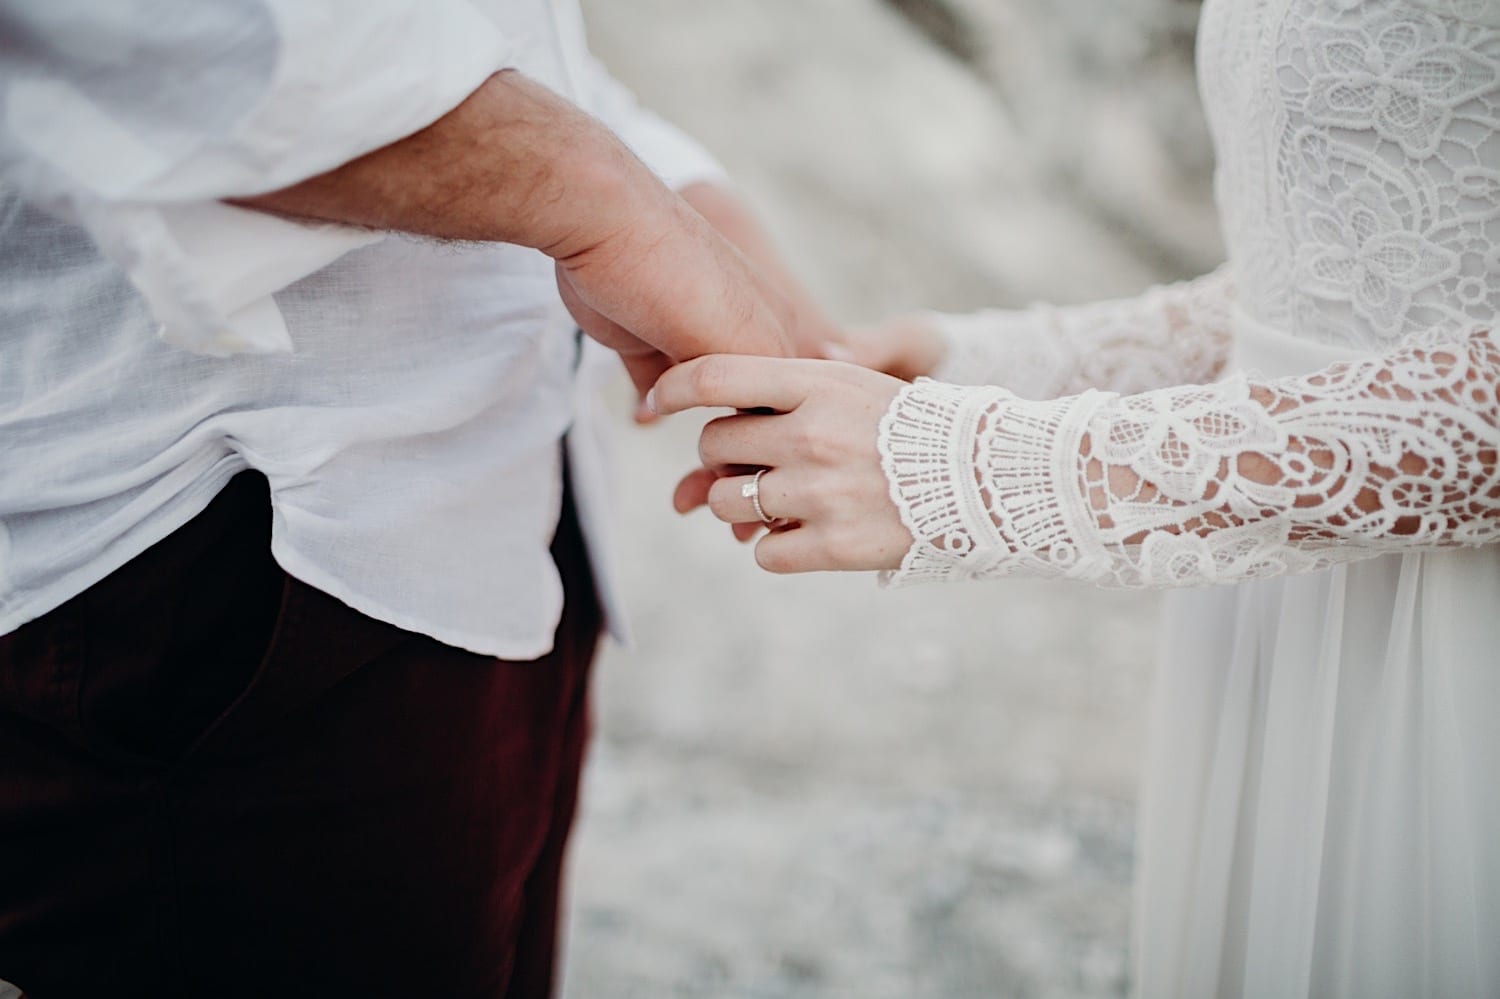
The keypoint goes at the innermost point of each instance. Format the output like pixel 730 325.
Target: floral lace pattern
pixel 1359 183
pixel 1360 163
pixel 1202 484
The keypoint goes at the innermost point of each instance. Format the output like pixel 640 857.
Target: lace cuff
pixel 1201 484
pixel 974 473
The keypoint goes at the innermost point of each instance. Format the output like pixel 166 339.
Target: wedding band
pixel 751 492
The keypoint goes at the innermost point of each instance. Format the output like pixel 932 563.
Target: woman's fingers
pixel 823 485
pixel 751 440
pixel 732 499
pixel 800 549
pixel 733 380
pixel 821 546
pixel 906 347
pixel 692 491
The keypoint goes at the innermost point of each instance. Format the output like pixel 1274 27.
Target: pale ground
pixel 810 787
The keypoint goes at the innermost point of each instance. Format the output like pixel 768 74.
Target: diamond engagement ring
pixel 751 492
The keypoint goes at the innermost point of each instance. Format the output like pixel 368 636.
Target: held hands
pixel 808 327
pixel 805 461
pixel 664 287
pixel 813 426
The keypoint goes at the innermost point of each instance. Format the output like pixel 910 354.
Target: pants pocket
pixel 178 635
pixel 40 668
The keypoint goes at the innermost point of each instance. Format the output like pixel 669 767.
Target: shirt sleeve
pixel 136 117
pixel 671 154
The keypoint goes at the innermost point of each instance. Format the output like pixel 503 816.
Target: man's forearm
pixel 514 163
pixel 641 270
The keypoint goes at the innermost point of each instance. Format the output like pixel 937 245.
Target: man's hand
pixel 515 163
pixel 812 331
pixel 609 289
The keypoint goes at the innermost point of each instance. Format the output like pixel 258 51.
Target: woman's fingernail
pixel 837 352
pixel 651 401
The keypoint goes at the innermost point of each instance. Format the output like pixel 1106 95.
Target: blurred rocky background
pixel 812 787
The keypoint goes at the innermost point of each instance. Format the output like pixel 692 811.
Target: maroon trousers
pixel 217 781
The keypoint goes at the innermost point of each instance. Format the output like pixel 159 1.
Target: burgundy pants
pixel 217 781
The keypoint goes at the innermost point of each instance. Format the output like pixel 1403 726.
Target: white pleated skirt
pixel 1322 807
pixel 1321 813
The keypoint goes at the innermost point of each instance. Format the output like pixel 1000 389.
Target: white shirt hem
pixel 517 650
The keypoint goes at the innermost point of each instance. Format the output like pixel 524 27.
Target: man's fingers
pixel 692 491
pixel 734 380
pixel 645 370
pixel 643 362
pixel 643 417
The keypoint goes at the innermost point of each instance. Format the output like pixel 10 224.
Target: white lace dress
pixel 1316 424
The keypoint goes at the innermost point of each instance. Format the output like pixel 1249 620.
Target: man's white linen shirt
pixel 406 399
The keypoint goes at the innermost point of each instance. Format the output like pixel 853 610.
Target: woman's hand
pixel 908 347
pixel 813 426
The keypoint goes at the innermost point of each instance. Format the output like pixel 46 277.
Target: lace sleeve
pixel 1173 335
pixel 1201 484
